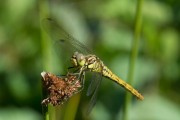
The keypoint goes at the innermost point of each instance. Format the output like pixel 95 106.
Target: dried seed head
pixel 59 88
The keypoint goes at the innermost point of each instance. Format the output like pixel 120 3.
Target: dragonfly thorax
pixel 87 62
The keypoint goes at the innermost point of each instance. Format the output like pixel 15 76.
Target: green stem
pixel 45 47
pixel 72 106
pixel 50 114
pixel 134 52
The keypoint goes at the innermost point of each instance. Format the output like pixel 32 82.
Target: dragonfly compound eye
pixel 74 61
pixel 81 59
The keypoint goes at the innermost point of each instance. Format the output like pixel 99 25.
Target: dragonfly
pixel 83 60
pixel 60 88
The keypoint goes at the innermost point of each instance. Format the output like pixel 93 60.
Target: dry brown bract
pixel 59 88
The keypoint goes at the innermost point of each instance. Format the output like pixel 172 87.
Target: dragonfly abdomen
pixel 107 73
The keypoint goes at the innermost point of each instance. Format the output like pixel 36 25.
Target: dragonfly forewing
pixel 60 36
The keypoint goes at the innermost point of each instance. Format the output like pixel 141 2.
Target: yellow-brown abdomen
pixel 107 73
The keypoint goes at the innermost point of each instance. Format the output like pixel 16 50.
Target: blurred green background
pixel 107 27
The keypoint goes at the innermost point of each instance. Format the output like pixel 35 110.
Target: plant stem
pixel 72 107
pixel 46 52
pixel 134 52
pixel 45 46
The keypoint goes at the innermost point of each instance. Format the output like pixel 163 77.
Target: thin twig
pixel 134 52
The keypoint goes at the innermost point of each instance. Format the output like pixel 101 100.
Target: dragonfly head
pixel 78 59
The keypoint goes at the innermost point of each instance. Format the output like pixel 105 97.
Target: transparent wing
pixel 62 38
pixel 93 88
pixel 94 82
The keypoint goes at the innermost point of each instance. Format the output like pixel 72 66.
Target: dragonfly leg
pixel 82 80
pixel 70 67
pixel 76 69
pixel 61 75
pixel 79 71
